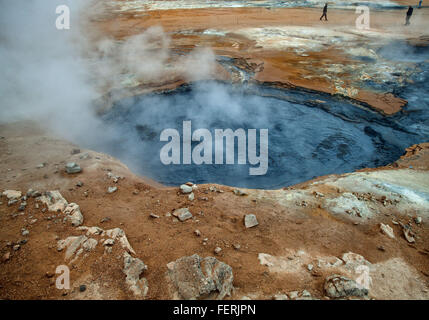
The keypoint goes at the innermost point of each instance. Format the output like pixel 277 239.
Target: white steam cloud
pixel 55 76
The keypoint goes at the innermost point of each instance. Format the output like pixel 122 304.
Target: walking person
pixel 409 14
pixel 325 10
pixel 420 4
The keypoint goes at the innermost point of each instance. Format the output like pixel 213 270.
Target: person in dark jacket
pixel 409 14
pixel 325 10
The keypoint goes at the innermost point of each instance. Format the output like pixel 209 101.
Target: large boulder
pixel 194 278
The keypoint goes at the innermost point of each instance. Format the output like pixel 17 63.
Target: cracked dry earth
pixel 312 241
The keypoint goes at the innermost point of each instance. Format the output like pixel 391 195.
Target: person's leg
pixel 326 17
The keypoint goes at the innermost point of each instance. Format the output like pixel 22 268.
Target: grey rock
pixel 191 196
pixel 12 202
pixel 387 230
pixel 73 214
pixel 133 268
pixel 183 214
pixel 185 188
pixel 73 167
pixel 108 242
pixel 112 189
pixel 250 220
pixel 12 194
pixel 22 206
pixel 33 193
pixel 89 244
pixel 194 277
pixel 54 200
pixel 337 286
pixel 239 192
pixel 72 244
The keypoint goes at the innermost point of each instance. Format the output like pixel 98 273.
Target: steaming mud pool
pixel 310 134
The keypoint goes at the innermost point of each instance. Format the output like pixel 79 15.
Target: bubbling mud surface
pixel 310 134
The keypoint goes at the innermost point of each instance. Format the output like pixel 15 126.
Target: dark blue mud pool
pixel 307 137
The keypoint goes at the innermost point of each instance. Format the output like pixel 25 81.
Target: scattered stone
pixel 112 189
pixel 12 202
pixel 250 220
pixel 197 233
pixel 12 194
pixel 82 288
pixel 353 260
pixel 387 230
pixel 280 296
pixel 75 151
pixel 310 267
pixel 381 248
pixel 197 278
pixel 25 232
pixel 185 188
pixel 73 167
pixel 119 234
pixel 183 214
pixel 191 197
pixel 217 250
pixel 74 214
pixel 6 256
pixel 408 236
pixel 239 192
pixel 79 184
pixel 305 294
pixel 22 206
pixel 108 242
pixel 133 268
pixel 105 219
pixel 54 200
pixel 152 215
pixel 89 244
pixel 16 247
pixel 168 214
pixel 418 220
pixel 135 192
pixel 237 246
pixel 337 286
pixel 293 294
pixel 40 166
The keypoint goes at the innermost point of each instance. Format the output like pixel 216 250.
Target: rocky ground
pixel 125 237
pixel 358 235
